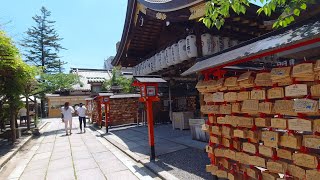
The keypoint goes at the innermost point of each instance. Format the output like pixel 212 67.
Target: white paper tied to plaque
pixel 218 97
pixel 305 105
pixel 296 90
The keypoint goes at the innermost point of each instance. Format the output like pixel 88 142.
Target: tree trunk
pixel 13 123
pixel 28 112
pixel 2 126
pixel 43 113
pixel 35 111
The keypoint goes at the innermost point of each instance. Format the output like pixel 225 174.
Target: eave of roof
pixel 131 8
pixel 261 46
pixel 168 5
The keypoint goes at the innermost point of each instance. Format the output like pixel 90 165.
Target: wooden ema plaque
pixel 212 119
pixel 225 109
pixel 263 79
pixel 227 132
pixel 305 106
pixel 270 136
pixel 300 124
pixel 218 152
pixel 253 172
pixel 222 174
pixel 258 94
pixel 231 82
pixel 243 158
pixel 312 175
pixel 243 95
pixel 226 142
pixel 208 97
pixel 303 70
pixel 236 107
pixel 216 130
pixel 305 160
pixel 280 73
pixel 311 141
pixel 284 107
pixel 284 154
pixel 254 136
pixel 230 96
pixel 221 120
pixel 265 107
pixel 245 122
pixel 211 168
pixel 269 176
pixel 296 171
pixel 315 90
pixel 250 106
pixel 240 133
pixel 257 161
pixel 275 93
pixel 277 166
pixel 279 123
pixel 262 122
pixel 296 90
pixel 266 151
pixel 215 139
pixel 291 141
pixel 230 154
pixel 316 125
pixel 249 147
pixel 218 97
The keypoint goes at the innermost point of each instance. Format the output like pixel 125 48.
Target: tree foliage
pixel 15 75
pixel 42 44
pixel 57 82
pixel 218 10
pixel 118 79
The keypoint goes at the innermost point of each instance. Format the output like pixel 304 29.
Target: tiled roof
pixel 90 75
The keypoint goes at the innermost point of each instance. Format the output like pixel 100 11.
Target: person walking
pixel 67 112
pixel 81 111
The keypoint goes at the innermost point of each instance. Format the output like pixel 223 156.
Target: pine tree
pixel 42 44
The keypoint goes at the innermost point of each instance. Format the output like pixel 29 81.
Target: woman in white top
pixel 67 112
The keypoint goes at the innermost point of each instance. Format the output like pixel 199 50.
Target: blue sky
pixel 90 28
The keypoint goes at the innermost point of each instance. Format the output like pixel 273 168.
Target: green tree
pixel 218 10
pixel 14 77
pixel 57 82
pixel 42 44
pixel 119 80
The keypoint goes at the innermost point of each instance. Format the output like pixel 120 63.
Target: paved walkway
pixel 79 156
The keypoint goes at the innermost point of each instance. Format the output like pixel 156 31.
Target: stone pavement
pixel 79 156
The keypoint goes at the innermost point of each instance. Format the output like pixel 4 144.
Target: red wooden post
pixel 150 128
pixel 99 111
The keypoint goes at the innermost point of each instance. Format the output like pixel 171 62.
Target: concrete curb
pixel 10 154
pixel 148 164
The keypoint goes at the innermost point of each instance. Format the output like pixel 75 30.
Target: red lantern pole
pixel 150 128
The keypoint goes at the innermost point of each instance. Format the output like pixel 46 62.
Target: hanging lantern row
pixel 182 51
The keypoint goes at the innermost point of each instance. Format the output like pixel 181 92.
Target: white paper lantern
pixel 158 62
pixel 152 64
pixel 163 59
pixel 169 56
pixel 175 53
pixel 216 44
pixel 192 46
pixel 225 43
pixel 207 45
pixel 183 50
